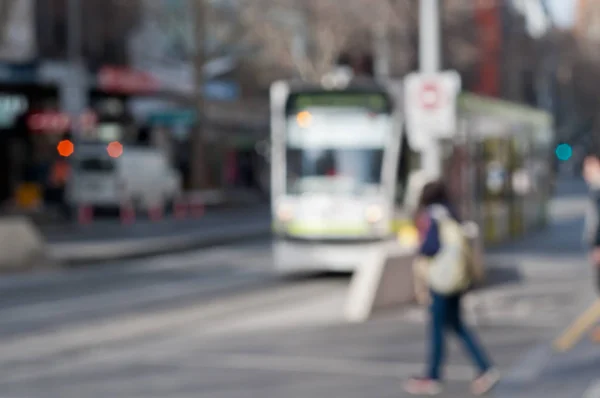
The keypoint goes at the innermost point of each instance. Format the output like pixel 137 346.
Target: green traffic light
pixel 564 152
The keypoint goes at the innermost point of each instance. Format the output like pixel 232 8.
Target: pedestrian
pixel 591 174
pixel 443 250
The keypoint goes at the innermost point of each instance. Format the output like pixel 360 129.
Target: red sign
pixel 431 96
pixel 57 122
pixel 126 81
pixel 49 122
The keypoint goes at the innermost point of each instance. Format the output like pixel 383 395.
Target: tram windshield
pixel 336 150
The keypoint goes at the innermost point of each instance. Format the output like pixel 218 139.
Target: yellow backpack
pixel 448 271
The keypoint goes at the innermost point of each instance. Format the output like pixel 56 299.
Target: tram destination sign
pixel 376 102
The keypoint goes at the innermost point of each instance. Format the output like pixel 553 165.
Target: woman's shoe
pixel 423 386
pixel 485 382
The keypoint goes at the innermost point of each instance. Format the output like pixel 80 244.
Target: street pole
pixel 74 85
pixel 429 36
pixel 430 62
pixel 381 45
pixel 198 162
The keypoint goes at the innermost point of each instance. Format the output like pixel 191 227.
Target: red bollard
pixel 127 213
pixel 156 212
pixel 180 209
pixel 197 207
pixel 85 214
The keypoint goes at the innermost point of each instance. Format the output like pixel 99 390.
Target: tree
pixel 305 38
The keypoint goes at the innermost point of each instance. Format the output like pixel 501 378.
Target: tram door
pixel 409 161
pixel 496 214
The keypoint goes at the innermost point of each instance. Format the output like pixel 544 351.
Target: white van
pixel 141 176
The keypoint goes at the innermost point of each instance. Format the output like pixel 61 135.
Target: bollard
pixel 156 212
pixel 196 207
pixel 127 213
pixel 85 214
pixel 180 208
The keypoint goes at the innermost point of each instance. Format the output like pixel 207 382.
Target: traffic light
pixel 564 152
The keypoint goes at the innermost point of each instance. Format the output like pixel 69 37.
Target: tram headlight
pixel 285 212
pixel 374 214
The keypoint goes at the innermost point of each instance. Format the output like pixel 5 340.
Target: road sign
pixel 431 106
pixel 221 90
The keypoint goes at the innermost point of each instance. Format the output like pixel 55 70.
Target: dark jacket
pixel 592 220
pixel 431 242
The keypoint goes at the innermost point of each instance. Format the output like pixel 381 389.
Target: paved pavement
pixel 216 323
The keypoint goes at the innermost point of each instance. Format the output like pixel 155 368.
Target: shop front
pixel 170 130
pixel 22 151
pixel 109 99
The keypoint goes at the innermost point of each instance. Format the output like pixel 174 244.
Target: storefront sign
pixel 174 117
pixel 126 81
pixel 58 122
pixel 11 106
pixel 18 73
pixel 49 122
pixel 221 90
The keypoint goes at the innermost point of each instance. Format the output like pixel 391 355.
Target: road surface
pixel 217 323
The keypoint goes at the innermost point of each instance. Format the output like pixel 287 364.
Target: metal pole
pixel 430 62
pixel 198 162
pixel 74 85
pixel 429 36
pixel 381 45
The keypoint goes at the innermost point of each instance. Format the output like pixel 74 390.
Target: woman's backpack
pixel 449 269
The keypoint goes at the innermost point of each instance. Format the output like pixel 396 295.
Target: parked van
pixel 141 176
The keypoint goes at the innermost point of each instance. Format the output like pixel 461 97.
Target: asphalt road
pixel 216 323
pixel 110 230
pixel 32 303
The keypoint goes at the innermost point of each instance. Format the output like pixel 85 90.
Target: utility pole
pixel 382 53
pixel 429 36
pixel 198 161
pixel 74 85
pixel 429 63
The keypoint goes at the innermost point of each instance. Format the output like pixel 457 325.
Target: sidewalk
pixel 540 371
pixel 543 373
pixel 105 240
pixel 538 282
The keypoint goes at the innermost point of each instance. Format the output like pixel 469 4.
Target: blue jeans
pixel 446 313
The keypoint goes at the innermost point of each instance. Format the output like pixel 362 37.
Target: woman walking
pixel 447 278
pixel 591 174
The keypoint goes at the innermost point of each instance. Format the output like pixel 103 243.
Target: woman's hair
pixel 433 193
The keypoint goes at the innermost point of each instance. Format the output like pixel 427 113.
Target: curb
pixel 73 254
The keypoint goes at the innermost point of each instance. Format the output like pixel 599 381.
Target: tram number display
pixel 376 102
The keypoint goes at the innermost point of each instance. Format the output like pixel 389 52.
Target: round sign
pixel 430 96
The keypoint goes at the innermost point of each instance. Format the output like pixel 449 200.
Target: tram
pixel 335 154
pixel 345 181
